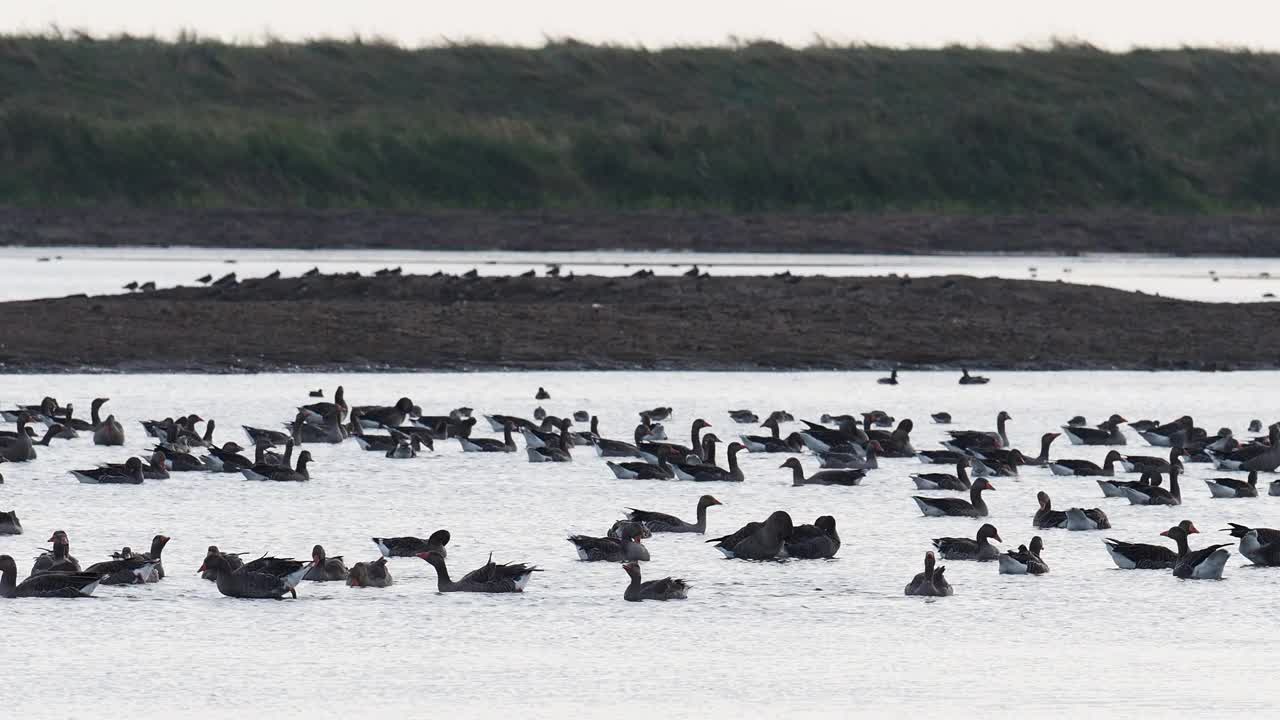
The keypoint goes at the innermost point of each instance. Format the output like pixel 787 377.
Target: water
pixel 827 638
pixel 96 271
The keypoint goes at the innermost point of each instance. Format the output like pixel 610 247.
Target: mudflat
pixel 353 322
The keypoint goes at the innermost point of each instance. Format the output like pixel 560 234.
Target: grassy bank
pixel 748 128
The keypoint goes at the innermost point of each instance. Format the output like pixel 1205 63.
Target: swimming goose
pixel 891 380
pixel 967 379
pixel 581 416
pixel 324 568
pixel 1115 488
pixel 941 507
pixel 781 416
pixel 940 457
pixel 57 560
pixel 627 546
pixel 542 394
pixel 1140 556
pixel 1163 435
pixel 712 473
pixel 46 409
pixel 970 440
pixel 1086 468
pixel 1046 516
pixel 409 546
pixel 743 417
pixel 657 414
pixel 1147 463
pixel 490 578
pixel 1269 459
pixel 1233 488
pixel 665 589
pixel 1154 494
pixel 658 522
pixel 498 422
pixel 757 540
pixel 1261 546
pixel 233 561
pixel 158 543
pixel 929 583
pixel 370 574
pixel 406 448
pixel 317 393
pixel 772 443
pixel 991 467
pixel 977 548
pixel 641 470
pixel 895 444
pixel 553 454
pixel 318 413
pixel 813 542
pixel 819 438
pixel 131 475
pixel 677 453
pixel 284 474
pixel 79 425
pixel 865 460
pixel 266 463
pixel 328 430
pixel 9 523
pixel 271 437
pixel 617 448
pixel 59 585
pixel 124 569
pixel 945 481
pixel 941 418
pixel 373 416
pixel 822 477
pixel 18 448
pixel 1203 564
pixel 1108 433
pixel 1023 561
pixel 506 444
pixel 1014 457
pixel 265 581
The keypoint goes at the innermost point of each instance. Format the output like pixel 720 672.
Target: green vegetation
pixel 752 127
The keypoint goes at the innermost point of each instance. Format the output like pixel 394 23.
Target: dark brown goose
pixel 975 506
pixel 284 474
pixel 813 542
pixel 1024 561
pixel 370 574
pixel 931 582
pixel 1108 433
pixel 1204 564
pixel 1153 494
pixel 1234 488
pixel 665 589
pixel 18 448
pixel 55 585
pixel 1140 556
pixel 658 522
pixel 124 569
pixel 267 581
pixel 822 477
pixel 626 547
pixel 757 540
pixel 945 481
pixel 1087 468
pixel 58 560
pixel 325 568
pixel 409 546
pixel 489 578
pixel 1260 545
pixel 9 523
pixel 318 412
pixel 976 548
pixel 506 444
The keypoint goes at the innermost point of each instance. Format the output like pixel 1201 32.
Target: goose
pixel 497 422
pixel 641 470
pixel 158 543
pixel 967 379
pixel 1023 561
pixel 945 481
pixel 318 413
pixel 57 560
pixel 757 540
pixel 1233 488
pixel 813 542
pixel 822 477
pixel 58 585
pixel 940 457
pixel 1154 494
pixel 18 448
pixel 665 589
pixel 490 578
pixel 712 473
pixel 1147 463
pixel 317 393
pixel 1261 546
pixel 929 583
pixel 1269 459
pixel 506 444
pixel 892 444
pixel 677 453
pixel 327 430
pixel 223 459
pixel 581 416
pixel 1077 421
pixel 820 438
pixel 284 473
pixel 9 523
pixel 955 507
pixel 617 448
pixel 658 522
pixel 997 468
pixel 47 408
pixel 124 569
pixel 773 443
pixel 270 437
pixel 1108 433
pixel 978 548
pixel 1255 425
pixel 76 424
pixel 267 581
pixel 378 443
pixel 267 463
pixel 1046 516
pixel 406 448
pixel 1203 564
pixel 867 460
pixel 743 417
pixel 1090 519
pixel 970 440
pixel 370 574
pixel 1140 556
pixel 233 561
pixel 409 546
pixel 180 461
pixel 891 380
pixel 941 418
pixel 1162 435
pixel 131 474
pixel 657 414
pixel 374 416
pixel 553 454
pixel 542 394
pixel 324 568
pixel 626 547
pixel 1086 468
pixel 1015 458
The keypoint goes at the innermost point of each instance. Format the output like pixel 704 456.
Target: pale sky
pixel 1115 24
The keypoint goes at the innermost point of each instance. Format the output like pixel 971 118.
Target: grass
pixel 752 127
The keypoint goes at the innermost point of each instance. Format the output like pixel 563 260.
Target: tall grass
pixel 747 127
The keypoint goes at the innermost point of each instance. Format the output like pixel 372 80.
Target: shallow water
pixel 54 272
pixel 828 638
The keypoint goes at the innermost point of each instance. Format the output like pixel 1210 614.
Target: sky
pixel 1113 24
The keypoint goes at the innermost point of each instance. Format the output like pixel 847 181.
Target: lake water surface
pixel 813 638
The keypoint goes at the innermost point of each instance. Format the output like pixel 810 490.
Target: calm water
pixel 67 271
pixel 827 638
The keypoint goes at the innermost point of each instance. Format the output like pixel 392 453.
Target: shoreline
pixel 353 323
pixel 1059 234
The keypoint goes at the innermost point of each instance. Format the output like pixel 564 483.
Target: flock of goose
pixel 846 446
